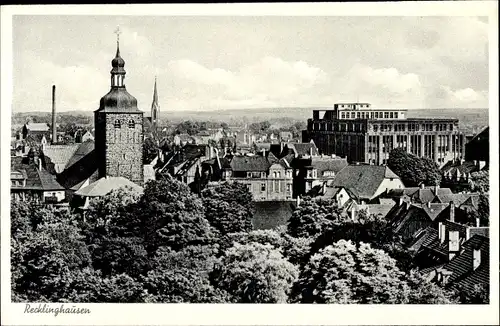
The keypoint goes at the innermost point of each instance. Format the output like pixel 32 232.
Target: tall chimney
pixel 54 128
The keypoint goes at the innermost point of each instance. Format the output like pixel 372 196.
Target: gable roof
pixel 255 163
pixel 451 168
pixel 322 164
pixel 60 155
pixel 363 180
pixel 42 127
pixel 425 195
pixel 461 265
pixel 105 185
pixel 36 179
pixel 302 149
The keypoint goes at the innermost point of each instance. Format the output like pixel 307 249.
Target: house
pixel 245 137
pixel 183 139
pixel 285 136
pixel 184 164
pixel 268 179
pixel 31 182
pixel 367 182
pixel 300 149
pixel 423 195
pixel 314 171
pixel 83 135
pixel 35 129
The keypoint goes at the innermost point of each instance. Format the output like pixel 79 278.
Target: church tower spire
pixel 118 64
pixel 155 107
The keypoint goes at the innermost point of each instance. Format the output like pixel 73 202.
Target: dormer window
pixel 118 125
pixel 131 124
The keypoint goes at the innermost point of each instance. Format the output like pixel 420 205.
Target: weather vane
pixel 118 32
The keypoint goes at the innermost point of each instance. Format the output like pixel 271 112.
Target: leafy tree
pixel 413 170
pixel 482 212
pixel 150 150
pixel 348 273
pixel 169 214
pixel 479 294
pixel 44 260
pixel 255 273
pixel 313 217
pixel 480 181
pixel 228 207
pixel 183 276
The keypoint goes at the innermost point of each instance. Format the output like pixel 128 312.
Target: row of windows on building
pixel 275 187
pixel 369 115
pixel 399 127
pixel 262 175
pixel 118 124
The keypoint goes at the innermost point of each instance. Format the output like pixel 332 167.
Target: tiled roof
pixel 322 164
pixel 36 179
pixel 83 150
pixel 60 155
pixel 363 179
pixel 37 127
pixel 104 186
pixel 249 163
pixel 376 209
pixel 424 195
pixel 302 149
pixel 433 210
pixel 461 266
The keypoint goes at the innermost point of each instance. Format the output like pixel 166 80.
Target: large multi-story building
pixel 366 134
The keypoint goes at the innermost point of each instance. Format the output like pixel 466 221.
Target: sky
pixel 228 62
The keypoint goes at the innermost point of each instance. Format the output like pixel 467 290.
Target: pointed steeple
pixel 155 107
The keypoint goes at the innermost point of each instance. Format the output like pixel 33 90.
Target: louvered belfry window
pixel 117 124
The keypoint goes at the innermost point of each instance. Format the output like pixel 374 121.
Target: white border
pixel 194 314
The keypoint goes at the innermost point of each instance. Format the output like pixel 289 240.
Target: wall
pixel 388 184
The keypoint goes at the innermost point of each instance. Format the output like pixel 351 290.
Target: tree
pixel 169 214
pixel 228 207
pixel 183 276
pixel 480 181
pixel 413 170
pixel 479 294
pixel 255 273
pixel 313 217
pixel 150 150
pixel 345 272
pixel 45 259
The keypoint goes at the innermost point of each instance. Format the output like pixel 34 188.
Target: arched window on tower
pixel 118 125
pixel 131 124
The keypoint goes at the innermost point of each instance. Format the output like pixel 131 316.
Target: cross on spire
pixel 117 32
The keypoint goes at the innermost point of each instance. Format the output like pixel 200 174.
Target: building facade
pixel 266 180
pixel 119 130
pixel 365 134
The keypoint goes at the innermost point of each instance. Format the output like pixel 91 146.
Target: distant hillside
pixel 470 119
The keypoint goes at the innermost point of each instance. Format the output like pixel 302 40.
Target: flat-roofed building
pixel 366 134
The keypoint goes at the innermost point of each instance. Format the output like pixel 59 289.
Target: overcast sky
pixel 249 62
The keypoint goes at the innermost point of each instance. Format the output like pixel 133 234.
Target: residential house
pixel 183 139
pixel 31 182
pixel 314 171
pixel 83 135
pixel 267 179
pixel 365 183
pixel 36 129
pixel 185 163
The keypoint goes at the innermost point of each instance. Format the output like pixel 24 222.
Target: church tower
pixel 155 109
pixel 119 128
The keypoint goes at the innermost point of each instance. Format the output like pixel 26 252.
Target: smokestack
pixel 452 211
pixel 54 128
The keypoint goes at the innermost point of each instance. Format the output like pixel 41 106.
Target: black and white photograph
pixel 204 158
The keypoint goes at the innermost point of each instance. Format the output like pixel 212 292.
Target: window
pixel 262 187
pixel 249 174
pixel 391 115
pixel 131 124
pixel 279 174
pixel 117 124
pixel 289 188
pixel 263 175
pixel 386 115
pixel 376 115
pixel 359 115
pixel 342 115
pixel 395 115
